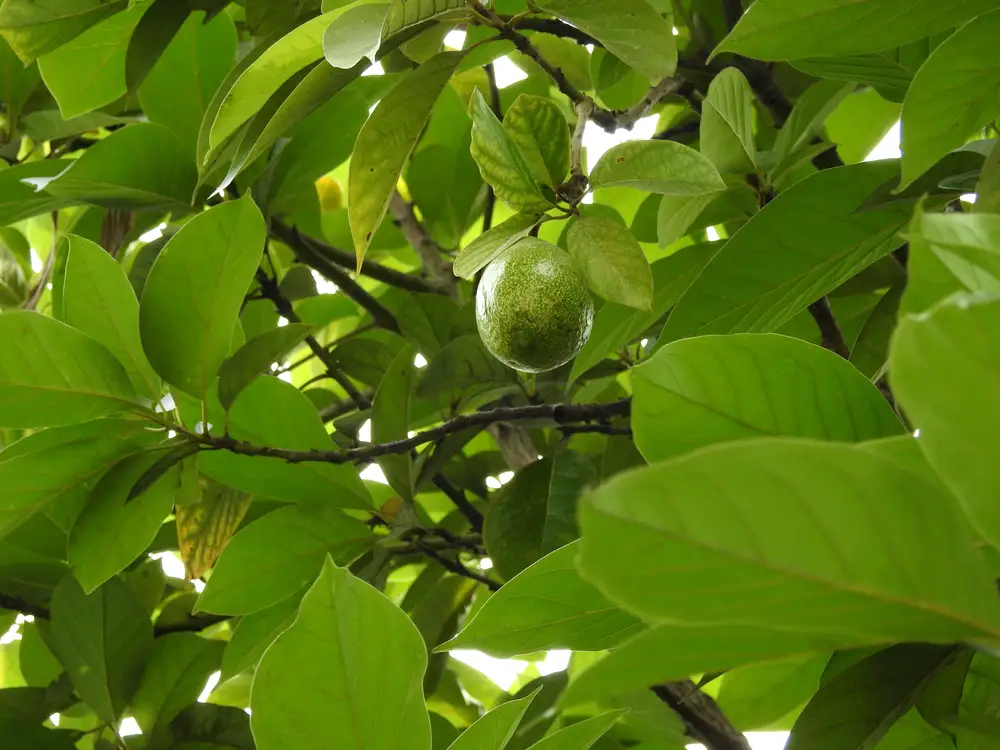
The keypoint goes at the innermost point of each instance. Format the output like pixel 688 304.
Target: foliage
pixel 238 280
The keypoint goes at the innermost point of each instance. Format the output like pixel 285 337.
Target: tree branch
pixel 456 567
pixel 491 196
pixel 420 240
pixel 307 254
pixel 552 26
pixel 560 414
pixel 346 260
pixel 832 338
pixel 703 719
pixel 457 496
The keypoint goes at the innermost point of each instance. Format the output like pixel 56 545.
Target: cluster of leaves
pixel 761 496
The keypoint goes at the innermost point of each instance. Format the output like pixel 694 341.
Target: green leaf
pixel 490 244
pixel 102 640
pixel 205 526
pixel 354 36
pixel 277 555
pixel 273 413
pixel 101 51
pixel 712 389
pixel 937 360
pixel 59 466
pixel 940 700
pixel 495 729
pixel 546 606
pixel 192 298
pixel 767 273
pixel 175 675
pixel 988 187
pixel 32 29
pixel 404 15
pixel 350 661
pixel 676 214
pixel 857 707
pixel 967 244
pixel 800 518
pixel 220 727
pixel 17 81
pixel 153 34
pixel 253 86
pixel 386 142
pixel 391 419
pixel 616 326
pixel 255 632
pixel 581 735
pixel 177 90
pixel 758 695
pixel 426 319
pixel 727 123
pixel 540 131
pixel 631 30
pixel 612 261
pixel 13 289
pixel 140 167
pixel 952 96
pixel 111 532
pixel 884 72
pixel 19 199
pixel 535 513
pixel 791 29
pixel 870 352
pixel 78 380
pixel 806 121
pixel 662 167
pixel 98 300
pixel 255 358
pixel 501 162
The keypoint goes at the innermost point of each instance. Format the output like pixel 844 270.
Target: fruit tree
pixel 649 347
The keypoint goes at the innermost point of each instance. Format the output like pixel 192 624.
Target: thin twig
pixel 43 278
pixel 456 567
pixel 831 336
pixel 491 197
pixel 702 717
pixel 457 496
pixel 420 240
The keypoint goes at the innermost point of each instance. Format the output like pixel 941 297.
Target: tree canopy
pixel 252 321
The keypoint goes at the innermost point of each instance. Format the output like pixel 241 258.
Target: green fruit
pixel 533 307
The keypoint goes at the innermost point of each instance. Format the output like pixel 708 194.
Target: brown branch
pixel 457 496
pixel 421 241
pixel 702 717
pixel 456 567
pixel 831 336
pixel 680 133
pixel 551 26
pixel 491 196
pixel 305 252
pixel 560 414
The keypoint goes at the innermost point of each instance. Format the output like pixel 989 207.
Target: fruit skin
pixel 533 307
pixel 331 195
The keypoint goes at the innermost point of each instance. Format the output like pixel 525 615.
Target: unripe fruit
pixel 533 307
pixel 331 195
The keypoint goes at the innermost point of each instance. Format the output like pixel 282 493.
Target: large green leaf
pixel 758 695
pixel 712 389
pixel 495 729
pixel 663 167
pixel 727 123
pixel 281 60
pixel 58 466
pixel 175 675
pixel 111 532
pixel 391 419
pixel 194 292
pixel 806 521
pixel 17 81
pixel 790 29
pixel 153 34
pixel 856 708
pixel 541 133
pixel 354 36
pixel 612 261
pixel 676 214
pixel 255 358
pixel 178 89
pixel 616 326
pixel 19 198
pixel 386 142
pixel 76 380
pixel 581 735
pixel 968 244
pixel 347 673
pixel 806 120
pixel 546 606
pixel 101 51
pixel 404 15
pixel 102 640
pixel 801 245
pixel 98 300
pixel 502 164
pixel 273 413
pixel 631 30
pixel 257 631
pixel 938 360
pixel 32 28
pixel 142 166
pixel 952 96
pixel 490 244
pixel 885 72
pixel 277 555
